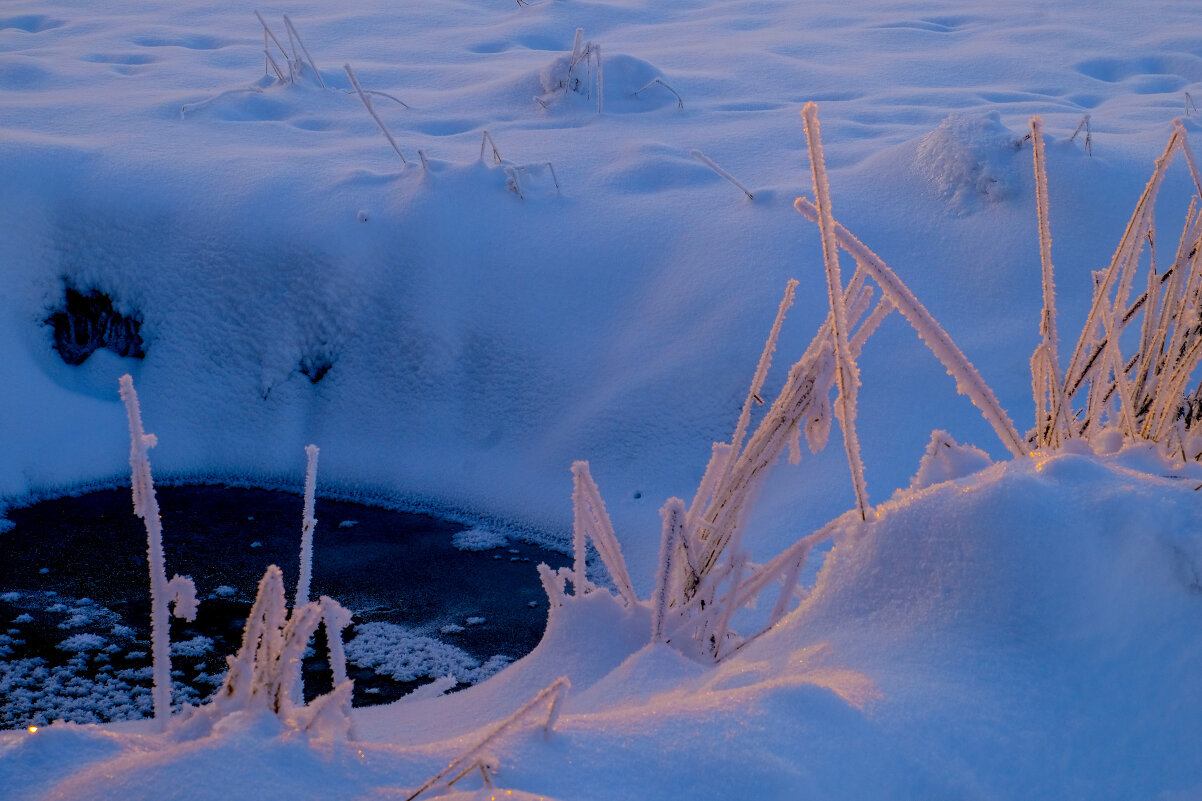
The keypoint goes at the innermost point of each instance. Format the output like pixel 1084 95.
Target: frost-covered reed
pixel 664 84
pixel 179 591
pixel 1143 395
pixel 295 56
pixel 704 576
pixel 550 698
pixel 265 673
pixel 308 523
pixel 588 54
pixel 364 96
pixel 707 161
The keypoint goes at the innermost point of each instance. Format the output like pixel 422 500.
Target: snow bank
pixel 1023 629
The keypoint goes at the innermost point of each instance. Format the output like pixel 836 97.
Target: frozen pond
pixel 74 597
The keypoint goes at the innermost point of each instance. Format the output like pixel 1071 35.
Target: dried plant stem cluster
pixel 266 671
pixel 704 576
pixel 1142 395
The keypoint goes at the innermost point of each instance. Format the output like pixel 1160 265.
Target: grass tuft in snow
pixel 1143 395
pixel 703 575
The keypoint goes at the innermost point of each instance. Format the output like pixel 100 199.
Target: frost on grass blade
pixel 371 110
pixel 591 522
pixel 309 522
pixel 179 590
pixel 1051 418
pixel 847 375
pixel 265 673
pixel 707 161
pixel 1144 394
pixel 549 698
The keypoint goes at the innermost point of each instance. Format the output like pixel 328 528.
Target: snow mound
pixel 970 160
pixel 946 460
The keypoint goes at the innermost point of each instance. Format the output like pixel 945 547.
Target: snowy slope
pixel 479 343
pixel 1030 631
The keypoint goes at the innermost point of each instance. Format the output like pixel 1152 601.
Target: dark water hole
pixel 74 597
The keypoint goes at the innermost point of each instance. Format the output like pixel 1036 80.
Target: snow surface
pixel 1028 631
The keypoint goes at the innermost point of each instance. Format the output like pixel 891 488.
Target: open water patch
pixel 430 597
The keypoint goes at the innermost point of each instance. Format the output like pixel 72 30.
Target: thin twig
pixel 660 82
pixel 292 32
pixel 707 161
pixel 487 140
pixel 367 104
pixel 1084 124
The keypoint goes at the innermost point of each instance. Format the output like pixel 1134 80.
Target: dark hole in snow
pixel 315 367
pixel 89 322
pixel 400 574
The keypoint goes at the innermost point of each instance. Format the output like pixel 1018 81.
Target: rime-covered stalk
pixel 660 82
pixel 162 592
pixel 1048 428
pixel 335 617
pixel 591 517
pixel 307 525
pixel 367 104
pixel 580 525
pixel 265 673
pixel 847 376
pixel 968 381
pixel 761 372
pixel 1132 236
pixel 268 32
pixel 673 514
pixel 294 35
pixel 552 696
pixel 707 161
pixel 487 140
pixel 1186 151
pixel 554 582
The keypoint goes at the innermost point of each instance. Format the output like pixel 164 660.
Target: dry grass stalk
pixel 551 696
